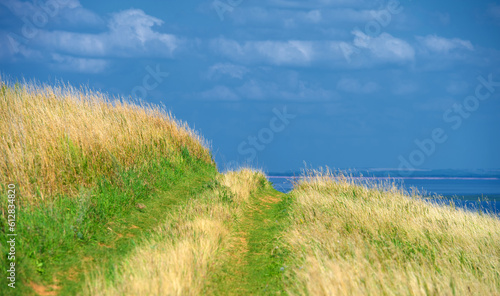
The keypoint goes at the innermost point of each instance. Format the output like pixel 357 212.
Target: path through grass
pixel 257 260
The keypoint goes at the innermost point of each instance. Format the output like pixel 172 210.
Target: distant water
pixel 472 193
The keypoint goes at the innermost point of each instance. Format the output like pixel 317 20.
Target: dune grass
pixel 55 139
pixel 244 182
pixel 94 178
pixel 352 240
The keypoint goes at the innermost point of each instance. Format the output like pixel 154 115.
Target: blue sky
pixel 277 83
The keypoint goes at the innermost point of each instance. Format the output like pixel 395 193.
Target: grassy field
pixel 348 239
pixel 114 198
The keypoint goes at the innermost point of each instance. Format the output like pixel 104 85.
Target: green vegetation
pixel 119 199
pixel 60 240
pixel 255 262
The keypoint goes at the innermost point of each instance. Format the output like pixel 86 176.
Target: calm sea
pixel 472 193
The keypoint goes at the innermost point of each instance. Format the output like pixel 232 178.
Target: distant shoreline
pixel 409 178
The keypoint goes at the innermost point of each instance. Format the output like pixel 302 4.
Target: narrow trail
pixel 256 259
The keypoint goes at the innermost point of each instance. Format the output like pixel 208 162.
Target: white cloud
pixel 318 4
pixel 354 86
pixel 41 13
pixel 438 44
pixel 372 50
pixel 82 65
pixel 13 50
pixel 384 47
pixel 130 34
pixel 295 17
pixel 291 52
pixel 221 93
pixel 289 88
pixel 286 52
pixel 314 16
pixel 138 25
pixel 232 70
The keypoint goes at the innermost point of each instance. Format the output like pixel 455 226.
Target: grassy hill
pixel 113 198
pixel 94 177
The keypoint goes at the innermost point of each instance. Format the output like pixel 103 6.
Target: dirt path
pixel 256 261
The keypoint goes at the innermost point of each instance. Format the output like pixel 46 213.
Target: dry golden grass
pixel 176 261
pixel 54 139
pixel 352 240
pixel 191 244
pixel 243 182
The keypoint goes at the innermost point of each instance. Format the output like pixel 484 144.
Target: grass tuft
pixel 244 182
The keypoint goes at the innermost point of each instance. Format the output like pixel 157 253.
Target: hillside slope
pixel 91 178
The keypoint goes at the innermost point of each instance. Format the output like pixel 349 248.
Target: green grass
pixel 258 264
pixel 268 254
pixel 60 240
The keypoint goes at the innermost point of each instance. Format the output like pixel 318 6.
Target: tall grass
pixel 177 260
pixel 190 245
pixel 87 168
pixel 54 140
pixel 354 240
pixel 243 182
